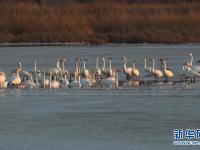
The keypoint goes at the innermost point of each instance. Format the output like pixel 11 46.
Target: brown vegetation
pixel 108 22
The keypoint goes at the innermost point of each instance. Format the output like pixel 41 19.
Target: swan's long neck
pixel 20 66
pixel 35 65
pixel 165 65
pixel 133 65
pixel 63 65
pixel 153 65
pixel 79 80
pixel 44 78
pixel 97 63
pixel 110 65
pixel 37 82
pixel 125 62
pixel 50 80
pixel 145 63
pixel 116 80
pixel 84 65
pixel 58 65
pixel 76 66
pixel 191 60
pixel 104 63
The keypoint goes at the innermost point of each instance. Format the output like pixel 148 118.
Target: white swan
pixel 110 72
pixel 85 73
pixel 190 64
pixel 64 70
pixel 104 69
pixel 155 72
pixel 189 73
pixel 86 83
pixel 111 82
pixel 2 77
pixel 127 70
pixel 15 80
pixel 135 71
pixel 55 71
pixel 167 73
pixel 147 68
pixel 64 82
pixel 30 83
pixel 44 82
pixel 75 73
pixel 75 84
pixel 53 83
pixel 98 71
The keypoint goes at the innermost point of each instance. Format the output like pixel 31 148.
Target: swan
pixel 127 70
pixel 111 82
pixel 110 72
pixel 2 78
pixel 20 71
pixel 135 71
pixel 75 73
pixel 147 68
pixel 15 80
pixel 86 72
pixel 190 64
pixel 29 83
pixel 53 83
pixel 45 82
pixel 156 73
pixel 189 73
pixel 75 84
pixel 98 71
pixel 167 72
pixel 64 71
pixel 35 72
pixel 55 71
pixel 64 82
pixel 86 83
pixel 104 69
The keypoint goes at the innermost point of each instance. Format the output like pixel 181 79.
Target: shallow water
pixel 137 117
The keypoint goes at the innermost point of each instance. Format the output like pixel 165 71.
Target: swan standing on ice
pixel 110 72
pixel 155 72
pixel 75 84
pixel 190 73
pixel 85 73
pixel 24 74
pixel 45 82
pixel 15 80
pixel 167 72
pixel 55 71
pixel 75 73
pixel 53 83
pixel 111 82
pixel 3 82
pixel 35 72
pixel 135 72
pixel 97 70
pixel 30 83
pixel 190 64
pixel 127 70
pixel 147 68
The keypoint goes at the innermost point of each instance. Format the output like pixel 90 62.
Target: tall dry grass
pixel 100 22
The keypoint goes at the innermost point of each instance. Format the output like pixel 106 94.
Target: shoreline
pixel 86 44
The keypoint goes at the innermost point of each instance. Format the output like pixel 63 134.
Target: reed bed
pixel 100 23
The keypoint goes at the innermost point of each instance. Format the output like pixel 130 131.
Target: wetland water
pixel 138 117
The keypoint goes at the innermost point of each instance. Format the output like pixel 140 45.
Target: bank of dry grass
pixel 109 22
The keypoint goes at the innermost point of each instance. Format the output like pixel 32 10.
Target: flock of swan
pixel 82 77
